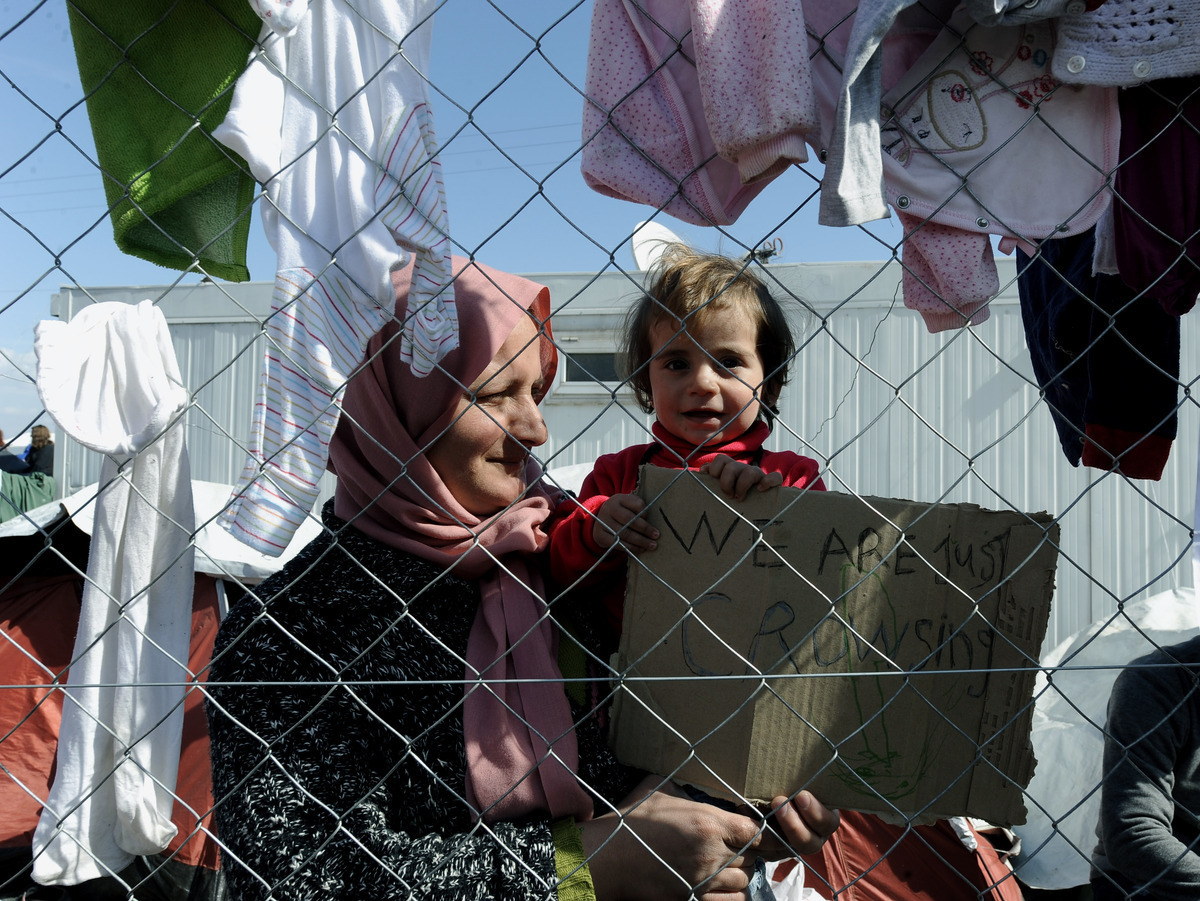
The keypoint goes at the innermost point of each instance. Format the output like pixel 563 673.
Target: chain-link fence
pixel 423 695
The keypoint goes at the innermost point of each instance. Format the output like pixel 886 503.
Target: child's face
pixel 705 379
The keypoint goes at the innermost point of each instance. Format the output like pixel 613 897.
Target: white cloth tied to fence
pixel 110 380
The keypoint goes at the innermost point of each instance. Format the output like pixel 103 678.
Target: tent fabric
pixel 218 553
pixel 36 652
pixel 870 860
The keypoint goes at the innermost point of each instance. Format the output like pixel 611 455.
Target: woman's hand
pixel 738 478
pixel 797 826
pixel 619 519
pixel 664 845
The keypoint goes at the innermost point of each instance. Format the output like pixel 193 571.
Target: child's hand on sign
pixel 619 519
pixel 738 478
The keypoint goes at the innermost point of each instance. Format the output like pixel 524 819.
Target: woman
pixel 369 703
pixel 39 456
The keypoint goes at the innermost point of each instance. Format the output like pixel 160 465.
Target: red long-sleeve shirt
pixel 576 560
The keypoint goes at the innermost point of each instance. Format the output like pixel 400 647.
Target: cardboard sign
pixel 880 653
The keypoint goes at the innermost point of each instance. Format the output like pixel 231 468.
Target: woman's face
pixel 482 456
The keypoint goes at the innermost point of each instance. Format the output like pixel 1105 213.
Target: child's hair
pixel 39 436
pixel 688 286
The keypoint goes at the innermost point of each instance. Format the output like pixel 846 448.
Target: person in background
pixel 388 713
pixel 1148 833
pixel 706 349
pixel 39 456
pixel 24 486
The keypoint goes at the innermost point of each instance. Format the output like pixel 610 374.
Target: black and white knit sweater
pixel 336 719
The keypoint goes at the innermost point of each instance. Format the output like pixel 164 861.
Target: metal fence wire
pixel 418 703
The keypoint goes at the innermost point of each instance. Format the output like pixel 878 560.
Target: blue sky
pixel 507 105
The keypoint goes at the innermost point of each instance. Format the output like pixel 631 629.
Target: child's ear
pixel 769 393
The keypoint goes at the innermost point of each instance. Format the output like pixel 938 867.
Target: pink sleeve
pixel 648 120
pixel 949 273
pixel 755 79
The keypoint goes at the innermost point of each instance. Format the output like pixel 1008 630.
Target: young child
pixel 707 350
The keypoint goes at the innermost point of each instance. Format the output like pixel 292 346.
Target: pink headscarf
pixel 521 749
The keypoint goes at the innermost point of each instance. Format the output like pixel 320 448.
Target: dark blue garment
pixel 10 462
pixel 1106 359
pixel 41 459
pixel 1111 887
pixel 1156 214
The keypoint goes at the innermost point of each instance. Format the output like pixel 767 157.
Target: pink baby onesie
pixel 978 137
pixel 693 107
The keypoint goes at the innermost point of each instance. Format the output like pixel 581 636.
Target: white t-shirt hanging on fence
pixel 335 122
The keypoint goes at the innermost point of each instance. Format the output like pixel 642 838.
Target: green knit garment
pixel 158 77
pixel 574 877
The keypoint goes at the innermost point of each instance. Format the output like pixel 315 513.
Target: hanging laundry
pixel 933 169
pixel 949 275
pixel 1018 12
pixel 110 380
pixel 657 131
pixel 977 135
pixel 692 108
pixel 1156 213
pixel 1106 358
pixel 158 78
pixel 22 492
pixel 1127 42
pixel 830 26
pixel 281 16
pixel 335 121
